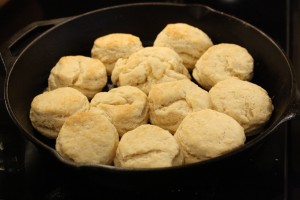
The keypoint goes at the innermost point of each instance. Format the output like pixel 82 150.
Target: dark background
pixel 18 13
pixel 25 173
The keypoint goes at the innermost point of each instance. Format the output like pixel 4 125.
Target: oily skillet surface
pixel 28 71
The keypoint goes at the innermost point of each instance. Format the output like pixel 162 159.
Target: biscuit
pixel 148 146
pixel 188 41
pixel 109 48
pixel 223 61
pixel 149 66
pixel 246 102
pixel 207 134
pixel 126 106
pixel 87 138
pixel 50 109
pixel 170 102
pixel 88 75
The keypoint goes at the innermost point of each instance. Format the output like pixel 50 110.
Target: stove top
pixel 272 174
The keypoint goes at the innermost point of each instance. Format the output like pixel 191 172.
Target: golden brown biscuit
pixel 188 41
pixel 87 138
pixel 149 66
pixel 206 134
pixel 148 146
pixel 248 103
pixel 83 73
pixel 109 48
pixel 170 102
pixel 223 61
pixel 50 109
pixel 126 106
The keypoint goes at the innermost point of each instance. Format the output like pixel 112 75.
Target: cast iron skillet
pixel 27 72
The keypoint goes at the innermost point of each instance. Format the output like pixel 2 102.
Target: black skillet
pixel 27 69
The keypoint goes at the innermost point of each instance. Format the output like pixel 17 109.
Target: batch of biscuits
pixel 182 100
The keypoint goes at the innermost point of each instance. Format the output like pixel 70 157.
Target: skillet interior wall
pixel 37 61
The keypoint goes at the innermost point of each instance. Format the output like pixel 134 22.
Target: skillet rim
pixel 262 135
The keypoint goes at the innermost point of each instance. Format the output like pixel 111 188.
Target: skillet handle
pixel 12 48
pixel 294 107
pixel 293 110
